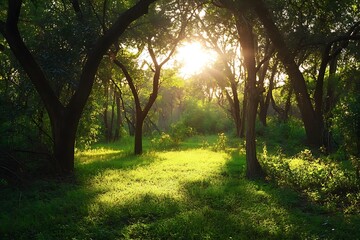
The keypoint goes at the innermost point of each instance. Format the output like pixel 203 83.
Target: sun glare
pixel 193 58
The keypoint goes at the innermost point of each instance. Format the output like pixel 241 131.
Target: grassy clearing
pixel 189 193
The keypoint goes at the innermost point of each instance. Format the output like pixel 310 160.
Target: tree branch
pixel 102 45
pixel 266 58
pixel 152 53
pixel 12 35
pixel 130 81
pixel 76 7
pixel 2 27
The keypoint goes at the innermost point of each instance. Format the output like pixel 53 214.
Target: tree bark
pixel 64 119
pixel 111 135
pixel 246 38
pixel 236 109
pixel 264 101
pixel 243 112
pixel 105 112
pixel 311 123
pixel 118 117
pixel 64 132
pixel 139 123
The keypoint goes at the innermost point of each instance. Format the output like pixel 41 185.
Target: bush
pixel 289 133
pixel 206 119
pixel 321 181
pixel 179 131
pixel 164 141
pixel 221 142
pixel 346 123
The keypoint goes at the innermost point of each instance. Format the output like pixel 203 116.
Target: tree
pixel 160 37
pixel 317 19
pixel 311 123
pixel 64 118
pixel 219 32
pixel 247 38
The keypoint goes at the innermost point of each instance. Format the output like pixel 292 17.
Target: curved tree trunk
pixel 313 125
pixel 64 120
pixel 246 37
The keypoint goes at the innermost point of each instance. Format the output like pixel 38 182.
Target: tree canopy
pixel 77 72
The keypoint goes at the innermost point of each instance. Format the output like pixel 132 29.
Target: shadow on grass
pixel 225 206
pixel 97 164
pixel 49 209
pixel 230 207
pixel 234 208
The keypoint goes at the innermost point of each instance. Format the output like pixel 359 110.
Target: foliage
pixel 178 133
pixel 164 141
pixel 320 180
pixel 205 118
pixel 221 143
pixel 91 126
pixel 278 133
pixel 346 119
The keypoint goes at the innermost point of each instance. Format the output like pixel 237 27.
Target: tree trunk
pixel 312 124
pixel 253 168
pixel 138 148
pixel 246 37
pixel 265 101
pixel 64 129
pixel 64 120
pixel 243 112
pixel 236 109
pixel 118 118
pixel 105 112
pixel 263 112
pixel 111 128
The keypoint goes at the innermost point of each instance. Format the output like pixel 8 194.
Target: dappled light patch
pixel 319 180
pixel 98 152
pixel 162 177
pixel 193 193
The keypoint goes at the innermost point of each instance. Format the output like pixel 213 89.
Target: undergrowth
pixel 319 180
pixel 196 190
pixel 327 180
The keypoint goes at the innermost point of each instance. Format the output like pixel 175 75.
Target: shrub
pixel 206 118
pixel 321 181
pixel 179 131
pixel 345 117
pixel 164 141
pixel 221 142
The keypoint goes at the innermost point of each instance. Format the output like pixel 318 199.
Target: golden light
pixel 194 58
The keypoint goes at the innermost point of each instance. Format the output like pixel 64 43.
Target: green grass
pixel 189 193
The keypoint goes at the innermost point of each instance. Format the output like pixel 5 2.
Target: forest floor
pixel 191 192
